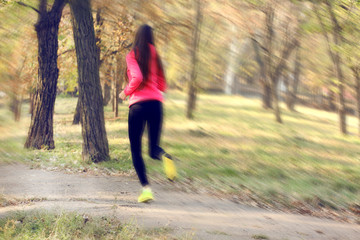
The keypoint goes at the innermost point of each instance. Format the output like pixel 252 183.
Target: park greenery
pixel 42 225
pixel 233 148
pixel 263 102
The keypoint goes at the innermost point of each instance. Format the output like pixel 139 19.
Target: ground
pixel 198 215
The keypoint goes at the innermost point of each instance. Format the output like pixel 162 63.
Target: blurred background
pixel 263 100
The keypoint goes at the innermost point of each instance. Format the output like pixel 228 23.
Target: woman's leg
pixel 155 117
pixel 155 120
pixel 136 123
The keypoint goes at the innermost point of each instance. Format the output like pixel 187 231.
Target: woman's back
pixel 141 89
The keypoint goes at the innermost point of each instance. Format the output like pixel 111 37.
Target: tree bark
pixel 276 70
pixel 277 73
pixel 270 80
pixel 107 84
pixel 332 100
pixel 293 86
pixel 116 98
pixel 268 61
pixel 41 128
pixel 276 103
pixel 266 96
pixel 192 88
pixel 336 59
pixel 15 106
pixel 106 90
pixel 99 25
pixel 118 83
pixel 337 64
pixel 95 143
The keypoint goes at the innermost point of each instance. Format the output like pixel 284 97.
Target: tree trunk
pixel 335 57
pixel 342 106
pixel 99 26
pixel 268 61
pixel 277 73
pixel 267 97
pixel 292 88
pixel 331 100
pixel 77 115
pixel 41 128
pixel 279 67
pixel 116 98
pixel 113 92
pixel 336 30
pixel 191 102
pixel 106 90
pixel 107 85
pixel 119 76
pixel 276 103
pixel 15 106
pixel 95 143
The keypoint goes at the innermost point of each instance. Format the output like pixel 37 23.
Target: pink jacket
pixel 155 84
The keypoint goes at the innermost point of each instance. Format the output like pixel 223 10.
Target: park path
pixel 204 216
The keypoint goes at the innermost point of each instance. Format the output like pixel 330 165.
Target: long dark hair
pixel 143 37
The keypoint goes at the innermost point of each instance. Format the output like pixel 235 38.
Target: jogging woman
pixel 146 83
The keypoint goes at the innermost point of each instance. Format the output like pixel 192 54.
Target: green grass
pixel 233 147
pixel 45 225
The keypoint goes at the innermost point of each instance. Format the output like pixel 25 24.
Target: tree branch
pixel 322 24
pixel 284 56
pixel 287 50
pixel 258 58
pixel 26 5
pixel 336 26
pixel 253 38
pixel 69 50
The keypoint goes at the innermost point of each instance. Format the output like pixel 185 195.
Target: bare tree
pixel 292 85
pixel 271 65
pixel 119 81
pixel 47 27
pixel 95 143
pixel 192 88
pixel 335 57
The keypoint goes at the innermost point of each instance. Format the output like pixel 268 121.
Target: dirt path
pixel 204 216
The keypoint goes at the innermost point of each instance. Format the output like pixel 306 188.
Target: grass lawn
pixel 43 225
pixel 233 146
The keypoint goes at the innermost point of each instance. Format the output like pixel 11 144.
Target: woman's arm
pixel 134 73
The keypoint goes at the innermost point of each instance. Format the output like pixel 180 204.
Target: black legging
pixel 150 113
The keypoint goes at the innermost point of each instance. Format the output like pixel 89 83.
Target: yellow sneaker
pixel 169 167
pixel 145 196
